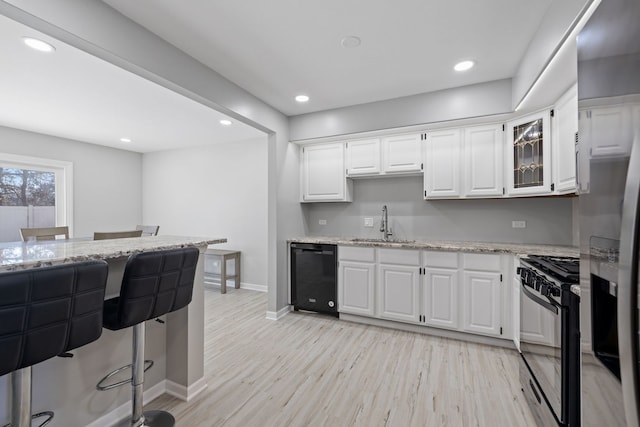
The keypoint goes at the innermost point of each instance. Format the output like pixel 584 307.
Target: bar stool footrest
pixel 48 414
pixel 101 387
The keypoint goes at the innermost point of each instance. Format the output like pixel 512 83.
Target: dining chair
pixel 99 235
pixel 148 230
pixel 46 233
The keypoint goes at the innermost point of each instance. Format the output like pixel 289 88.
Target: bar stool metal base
pixel 151 419
pixel 21 400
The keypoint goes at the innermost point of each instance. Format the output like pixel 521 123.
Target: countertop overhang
pixel 447 245
pixel 23 255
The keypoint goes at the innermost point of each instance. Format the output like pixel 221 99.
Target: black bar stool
pixel 44 312
pixel 154 283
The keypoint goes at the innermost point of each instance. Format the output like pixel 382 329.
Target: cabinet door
pixel 609 131
pixel 402 153
pixel 323 173
pixel 536 323
pixel 442 159
pixel 483 160
pixel 363 157
pixel 583 152
pixel 356 288
pixel 398 288
pixel 528 155
pixel 564 128
pixel 481 302
pixel 440 297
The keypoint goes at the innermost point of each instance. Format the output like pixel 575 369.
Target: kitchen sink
pixel 369 240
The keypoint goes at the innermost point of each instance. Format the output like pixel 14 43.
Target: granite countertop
pixel 446 245
pixel 22 255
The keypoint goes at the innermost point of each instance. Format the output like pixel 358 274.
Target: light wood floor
pixel 315 370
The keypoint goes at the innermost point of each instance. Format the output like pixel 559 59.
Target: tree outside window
pixel 24 187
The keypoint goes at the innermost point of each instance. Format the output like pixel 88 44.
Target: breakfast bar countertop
pixel 22 255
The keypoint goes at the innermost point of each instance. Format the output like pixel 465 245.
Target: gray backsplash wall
pixel 549 220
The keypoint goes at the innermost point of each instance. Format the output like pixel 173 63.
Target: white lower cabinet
pixel 440 297
pixel 536 323
pixel 482 294
pixel 357 290
pixel 399 284
pixel 457 291
pixel 356 280
pixel 481 302
pixel 398 287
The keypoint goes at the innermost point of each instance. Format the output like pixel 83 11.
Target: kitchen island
pixel 67 386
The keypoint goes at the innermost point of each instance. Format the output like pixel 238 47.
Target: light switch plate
pixel 518 224
pixel 368 221
pixel 322 221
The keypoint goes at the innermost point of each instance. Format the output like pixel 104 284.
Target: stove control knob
pixel 544 289
pixel 553 291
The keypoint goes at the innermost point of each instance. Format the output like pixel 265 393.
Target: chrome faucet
pixel 384 224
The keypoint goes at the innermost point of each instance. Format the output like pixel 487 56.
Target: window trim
pixel 63 180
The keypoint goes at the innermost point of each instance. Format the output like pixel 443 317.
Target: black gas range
pixel 550 338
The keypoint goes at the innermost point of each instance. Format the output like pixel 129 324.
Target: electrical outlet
pixel 322 221
pixel 368 221
pixel 518 224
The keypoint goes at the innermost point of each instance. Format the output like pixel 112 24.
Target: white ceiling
pixel 72 94
pixel 279 48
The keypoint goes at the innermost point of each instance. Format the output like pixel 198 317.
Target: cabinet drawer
pixel 440 259
pixel 481 262
pixel 399 256
pixel 352 253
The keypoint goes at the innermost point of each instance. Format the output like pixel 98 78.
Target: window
pixel 34 192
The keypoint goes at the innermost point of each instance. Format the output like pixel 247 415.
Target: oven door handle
pixel 546 304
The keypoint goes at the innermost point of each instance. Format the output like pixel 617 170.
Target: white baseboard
pixel 243 285
pixel 254 287
pixel 186 393
pixel 276 315
pixel 124 411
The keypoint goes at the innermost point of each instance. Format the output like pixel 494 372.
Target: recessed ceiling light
pixel 302 98
pixel 125 139
pixel 38 44
pixel 350 41
pixel 225 122
pixel 464 65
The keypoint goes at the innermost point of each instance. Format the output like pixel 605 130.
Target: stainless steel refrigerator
pixel 609 194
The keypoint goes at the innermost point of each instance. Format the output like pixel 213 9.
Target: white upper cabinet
pixel 399 154
pixel 609 130
pixel 323 174
pixel 564 131
pixel 483 161
pixel 442 161
pixel 363 157
pixel 402 153
pixel 529 155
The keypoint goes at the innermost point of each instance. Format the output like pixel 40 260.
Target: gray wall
pixel 107 182
pixel 481 99
pixel 549 220
pixel 219 191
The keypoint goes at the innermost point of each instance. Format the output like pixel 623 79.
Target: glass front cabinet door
pixel 529 155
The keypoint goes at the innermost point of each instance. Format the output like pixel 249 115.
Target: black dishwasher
pixel 314 277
